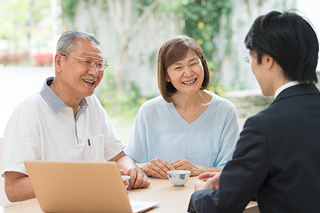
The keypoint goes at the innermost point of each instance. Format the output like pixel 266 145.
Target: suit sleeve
pixel 242 176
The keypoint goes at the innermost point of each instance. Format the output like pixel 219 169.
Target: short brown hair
pixel 173 50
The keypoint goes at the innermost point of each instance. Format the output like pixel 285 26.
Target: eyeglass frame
pixel 81 59
pixel 248 59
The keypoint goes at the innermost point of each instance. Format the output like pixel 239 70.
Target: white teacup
pixel 179 177
pixel 127 178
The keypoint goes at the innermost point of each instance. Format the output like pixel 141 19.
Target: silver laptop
pixel 81 187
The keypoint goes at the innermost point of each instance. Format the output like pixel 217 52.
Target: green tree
pixel 118 95
pixel 202 21
pixel 128 18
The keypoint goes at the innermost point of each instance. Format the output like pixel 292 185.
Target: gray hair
pixel 66 41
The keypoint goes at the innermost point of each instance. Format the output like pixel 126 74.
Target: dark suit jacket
pixel 277 158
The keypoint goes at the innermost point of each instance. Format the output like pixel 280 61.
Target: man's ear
pixel 58 62
pixel 269 61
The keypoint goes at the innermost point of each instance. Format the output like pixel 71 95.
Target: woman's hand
pixel 157 167
pixel 183 164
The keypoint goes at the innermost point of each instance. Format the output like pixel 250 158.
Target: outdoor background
pixel 131 33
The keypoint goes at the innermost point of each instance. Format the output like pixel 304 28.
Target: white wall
pixel 16 84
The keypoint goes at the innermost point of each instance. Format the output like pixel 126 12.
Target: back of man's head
pixel 66 41
pixel 290 40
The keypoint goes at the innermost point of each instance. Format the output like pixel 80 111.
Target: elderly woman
pixel 187 127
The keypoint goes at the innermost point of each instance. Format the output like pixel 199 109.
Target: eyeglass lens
pixel 99 64
pixel 248 59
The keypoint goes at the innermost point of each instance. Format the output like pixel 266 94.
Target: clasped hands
pixel 159 167
pixel 138 179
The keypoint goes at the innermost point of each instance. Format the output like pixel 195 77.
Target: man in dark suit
pixel 277 158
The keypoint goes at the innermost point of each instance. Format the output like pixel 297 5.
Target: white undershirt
pixel 285 86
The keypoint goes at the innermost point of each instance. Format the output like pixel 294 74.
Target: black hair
pixel 290 40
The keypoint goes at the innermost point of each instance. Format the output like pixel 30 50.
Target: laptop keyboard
pixel 137 204
pixel 140 206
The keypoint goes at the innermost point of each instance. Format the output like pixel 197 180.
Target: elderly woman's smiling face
pixel 187 74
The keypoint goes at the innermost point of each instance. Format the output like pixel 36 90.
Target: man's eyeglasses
pixel 89 61
pixel 248 59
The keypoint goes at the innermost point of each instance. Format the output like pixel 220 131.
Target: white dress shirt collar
pixel 285 86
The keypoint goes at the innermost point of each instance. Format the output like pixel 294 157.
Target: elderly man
pixel 277 156
pixel 65 121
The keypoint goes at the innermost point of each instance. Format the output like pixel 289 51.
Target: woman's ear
pixel 168 78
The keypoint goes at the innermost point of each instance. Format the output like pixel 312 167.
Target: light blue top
pixel 160 131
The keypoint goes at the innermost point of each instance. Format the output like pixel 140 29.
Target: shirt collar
pixel 54 102
pixel 285 86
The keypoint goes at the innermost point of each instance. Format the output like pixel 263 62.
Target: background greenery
pixel 201 20
pixel 26 40
pixel 27 28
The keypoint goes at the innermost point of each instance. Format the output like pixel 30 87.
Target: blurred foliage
pixel 21 18
pixel 69 8
pixel 17 17
pixel 13 58
pixel 23 58
pixel 43 59
pixel 23 22
pixel 125 104
pixel 202 20
pixel 215 85
pixel 24 25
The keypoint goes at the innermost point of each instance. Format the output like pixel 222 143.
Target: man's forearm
pixel 126 162
pixel 18 188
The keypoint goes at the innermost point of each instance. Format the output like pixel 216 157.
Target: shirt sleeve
pixel 21 140
pixel 230 136
pixel 137 144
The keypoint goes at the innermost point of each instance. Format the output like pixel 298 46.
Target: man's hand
pixel 128 167
pixel 138 179
pixel 157 167
pixel 183 164
pixel 123 172
pixel 208 180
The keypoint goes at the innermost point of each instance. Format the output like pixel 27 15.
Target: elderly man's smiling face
pixel 78 76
